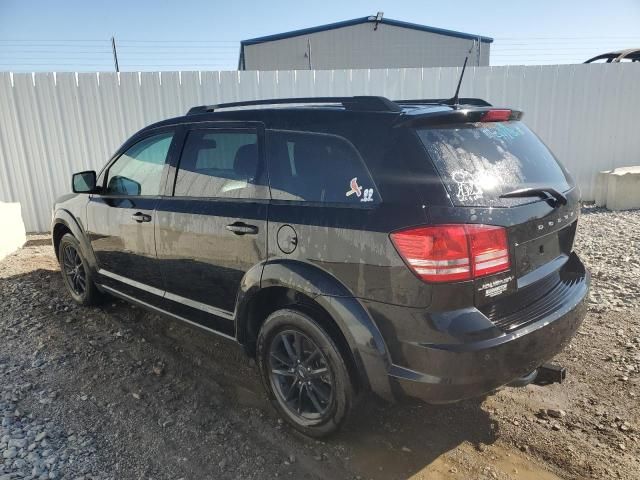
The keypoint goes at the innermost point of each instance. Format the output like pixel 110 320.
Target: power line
pixel 55 65
pixel 539 55
pixel 165 55
pixel 212 53
pixel 169 63
pixel 179 41
pixel 56 52
pixel 107 40
pixel 54 45
pixel 181 47
pixel 571 38
pixel 545 48
pixel 234 51
pixel 43 40
pixel 207 43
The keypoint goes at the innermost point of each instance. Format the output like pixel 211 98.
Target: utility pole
pixel 115 53
pixel 309 52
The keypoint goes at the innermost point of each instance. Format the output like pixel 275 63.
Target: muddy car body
pixel 352 244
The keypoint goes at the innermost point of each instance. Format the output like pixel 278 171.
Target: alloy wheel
pixel 301 376
pixel 74 270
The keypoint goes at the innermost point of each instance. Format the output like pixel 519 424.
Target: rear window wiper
pixel 547 193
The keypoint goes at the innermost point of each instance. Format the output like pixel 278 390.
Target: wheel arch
pixel 298 285
pixel 64 222
pixel 59 230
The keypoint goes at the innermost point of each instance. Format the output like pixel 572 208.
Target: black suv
pixel 351 245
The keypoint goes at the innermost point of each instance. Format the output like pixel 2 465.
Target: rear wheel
pixel 75 272
pixel 304 373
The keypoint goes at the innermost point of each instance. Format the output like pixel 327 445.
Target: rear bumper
pixel 443 373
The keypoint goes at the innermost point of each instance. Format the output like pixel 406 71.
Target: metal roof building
pixel 367 42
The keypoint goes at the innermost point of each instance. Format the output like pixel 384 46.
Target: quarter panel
pixel 352 245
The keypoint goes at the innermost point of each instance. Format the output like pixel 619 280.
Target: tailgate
pixel 549 249
pixel 482 165
pixel 538 247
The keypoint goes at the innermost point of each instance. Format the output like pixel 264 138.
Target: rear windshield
pixel 481 161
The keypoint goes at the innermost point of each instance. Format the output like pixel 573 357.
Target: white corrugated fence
pixel 54 124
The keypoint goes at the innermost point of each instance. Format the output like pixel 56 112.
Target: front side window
pixel 316 167
pixel 138 171
pixel 219 163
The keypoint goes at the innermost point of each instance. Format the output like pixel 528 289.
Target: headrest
pixel 245 163
pixel 310 160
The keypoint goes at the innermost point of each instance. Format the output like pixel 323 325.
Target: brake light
pixel 489 249
pixel 496 115
pixel 446 253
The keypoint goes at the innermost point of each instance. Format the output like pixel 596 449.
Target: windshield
pixel 481 161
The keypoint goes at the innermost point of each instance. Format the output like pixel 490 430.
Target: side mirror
pixel 84 182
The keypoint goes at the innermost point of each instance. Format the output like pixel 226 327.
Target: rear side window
pixel 218 163
pixel 317 167
pixel 481 161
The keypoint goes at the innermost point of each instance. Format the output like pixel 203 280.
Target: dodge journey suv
pixel 352 245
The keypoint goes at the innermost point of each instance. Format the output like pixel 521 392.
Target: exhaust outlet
pixel 523 381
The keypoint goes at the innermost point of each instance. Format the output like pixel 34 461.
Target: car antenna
pixel 454 101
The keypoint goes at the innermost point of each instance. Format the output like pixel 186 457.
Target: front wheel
pixel 304 373
pixel 75 272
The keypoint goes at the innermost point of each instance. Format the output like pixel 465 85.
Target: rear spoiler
pixel 463 115
pixel 476 102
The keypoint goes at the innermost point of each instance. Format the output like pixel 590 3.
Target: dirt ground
pixel 116 392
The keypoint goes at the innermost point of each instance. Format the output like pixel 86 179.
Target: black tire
pixel 76 275
pixel 324 389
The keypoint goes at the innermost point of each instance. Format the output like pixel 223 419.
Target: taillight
pixel 438 254
pixel 445 253
pixel 489 249
pixel 496 115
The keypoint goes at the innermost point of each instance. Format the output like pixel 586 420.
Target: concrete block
pixel 602 184
pixel 13 234
pixel 623 189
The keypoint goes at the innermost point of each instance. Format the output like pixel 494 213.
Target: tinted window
pixel 217 163
pixel 138 171
pixel 317 167
pixel 479 162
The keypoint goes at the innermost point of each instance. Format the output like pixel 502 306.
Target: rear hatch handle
pixel 550 194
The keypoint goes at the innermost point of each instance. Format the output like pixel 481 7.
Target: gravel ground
pixel 609 242
pixel 118 393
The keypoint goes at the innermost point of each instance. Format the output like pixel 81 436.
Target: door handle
pixel 241 228
pixel 141 217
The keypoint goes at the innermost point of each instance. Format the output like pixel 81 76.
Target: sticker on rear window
pixel 355 188
pixel 500 131
pixel 468 188
pixel 367 195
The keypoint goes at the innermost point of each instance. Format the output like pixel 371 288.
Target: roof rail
pixel 477 102
pixel 357 103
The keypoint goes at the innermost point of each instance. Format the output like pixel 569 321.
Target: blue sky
pixel 74 35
